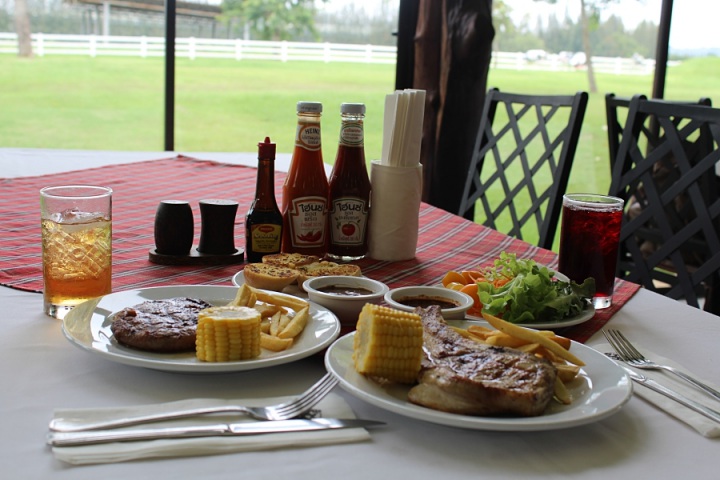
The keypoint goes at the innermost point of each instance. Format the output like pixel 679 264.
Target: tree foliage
pixel 609 37
pixel 273 19
pixel 589 22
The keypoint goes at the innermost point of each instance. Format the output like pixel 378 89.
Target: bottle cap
pixel 266 149
pixel 356 108
pixel 310 107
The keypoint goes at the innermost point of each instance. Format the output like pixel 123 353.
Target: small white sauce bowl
pixel 346 307
pixel 395 297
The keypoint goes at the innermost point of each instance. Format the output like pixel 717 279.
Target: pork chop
pixel 459 375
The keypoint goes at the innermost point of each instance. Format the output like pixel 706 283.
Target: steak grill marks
pixel 163 326
pixel 461 376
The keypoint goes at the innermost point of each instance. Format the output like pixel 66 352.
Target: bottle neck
pixel 308 131
pixel 265 186
pixel 352 130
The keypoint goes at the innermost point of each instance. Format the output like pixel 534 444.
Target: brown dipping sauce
pixel 425 301
pixel 345 291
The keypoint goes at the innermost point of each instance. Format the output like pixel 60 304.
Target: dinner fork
pixel 634 358
pixel 297 407
pixel 653 385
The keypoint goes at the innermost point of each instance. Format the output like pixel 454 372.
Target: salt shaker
pixel 174 227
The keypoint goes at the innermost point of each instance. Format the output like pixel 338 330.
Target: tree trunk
pixel 452 50
pixel 586 46
pixel 22 28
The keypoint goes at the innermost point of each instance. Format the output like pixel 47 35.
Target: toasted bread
pixel 323 268
pixel 289 260
pixel 269 277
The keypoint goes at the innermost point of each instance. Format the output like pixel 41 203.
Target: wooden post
pixel 170 8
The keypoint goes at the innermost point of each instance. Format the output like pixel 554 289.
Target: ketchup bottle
pixel 263 222
pixel 349 197
pixel 304 200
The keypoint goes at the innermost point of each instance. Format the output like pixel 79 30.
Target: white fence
pixel 98 45
pixel 551 62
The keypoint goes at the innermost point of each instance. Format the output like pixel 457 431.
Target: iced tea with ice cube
pixel 76 247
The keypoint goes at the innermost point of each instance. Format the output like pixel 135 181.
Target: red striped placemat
pixel 446 242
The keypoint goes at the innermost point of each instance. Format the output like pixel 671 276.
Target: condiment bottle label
pixel 266 237
pixel 352 134
pixel 348 221
pixel 308 136
pixel 307 221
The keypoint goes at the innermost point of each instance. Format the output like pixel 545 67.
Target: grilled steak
pixel 159 325
pixel 461 376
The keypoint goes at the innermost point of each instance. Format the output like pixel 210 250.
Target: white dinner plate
pixel 581 317
pixel 88 327
pixel 601 389
pixel 577 319
pixel 294 289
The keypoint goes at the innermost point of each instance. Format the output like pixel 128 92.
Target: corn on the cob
pixel 388 343
pixel 227 334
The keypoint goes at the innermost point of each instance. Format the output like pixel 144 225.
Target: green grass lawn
pixel 116 103
pixel 221 105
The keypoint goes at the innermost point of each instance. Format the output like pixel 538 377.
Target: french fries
pixel 561 392
pixel 273 343
pixel 279 326
pixel 532 336
pixel 296 324
pixel 543 343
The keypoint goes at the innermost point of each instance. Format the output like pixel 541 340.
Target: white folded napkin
pixel 703 425
pixel 394 221
pixel 333 406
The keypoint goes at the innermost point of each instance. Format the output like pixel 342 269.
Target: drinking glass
pixel 589 239
pixel 76 224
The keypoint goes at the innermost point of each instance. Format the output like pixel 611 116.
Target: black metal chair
pixel 616 114
pixel 670 238
pixel 521 162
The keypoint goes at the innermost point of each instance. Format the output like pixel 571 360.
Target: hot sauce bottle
pixel 264 222
pixel 305 192
pixel 349 197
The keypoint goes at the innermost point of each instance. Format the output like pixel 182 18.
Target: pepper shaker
pixel 217 234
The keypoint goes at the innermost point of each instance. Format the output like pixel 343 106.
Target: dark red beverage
pixel 589 241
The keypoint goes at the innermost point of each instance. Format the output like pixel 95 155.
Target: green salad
pixel 531 293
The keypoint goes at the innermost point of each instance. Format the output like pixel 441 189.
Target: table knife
pixel 681 399
pixel 58 439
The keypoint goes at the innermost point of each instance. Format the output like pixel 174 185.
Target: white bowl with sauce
pixel 453 304
pixel 345 296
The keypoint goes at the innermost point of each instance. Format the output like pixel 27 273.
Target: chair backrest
pixel 613 105
pixel 616 114
pixel 670 240
pixel 521 162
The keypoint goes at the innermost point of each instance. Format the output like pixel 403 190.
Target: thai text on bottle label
pixel 348 221
pixel 307 221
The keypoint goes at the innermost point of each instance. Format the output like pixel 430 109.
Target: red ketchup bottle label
pixel 349 221
pixel 308 216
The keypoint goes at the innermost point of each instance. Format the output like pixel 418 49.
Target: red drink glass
pixel 589 239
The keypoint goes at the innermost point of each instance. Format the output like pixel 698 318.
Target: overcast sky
pixel 694 22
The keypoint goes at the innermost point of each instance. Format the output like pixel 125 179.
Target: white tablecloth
pixel 42 371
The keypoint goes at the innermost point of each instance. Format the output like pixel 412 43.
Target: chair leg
pixel 712 299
